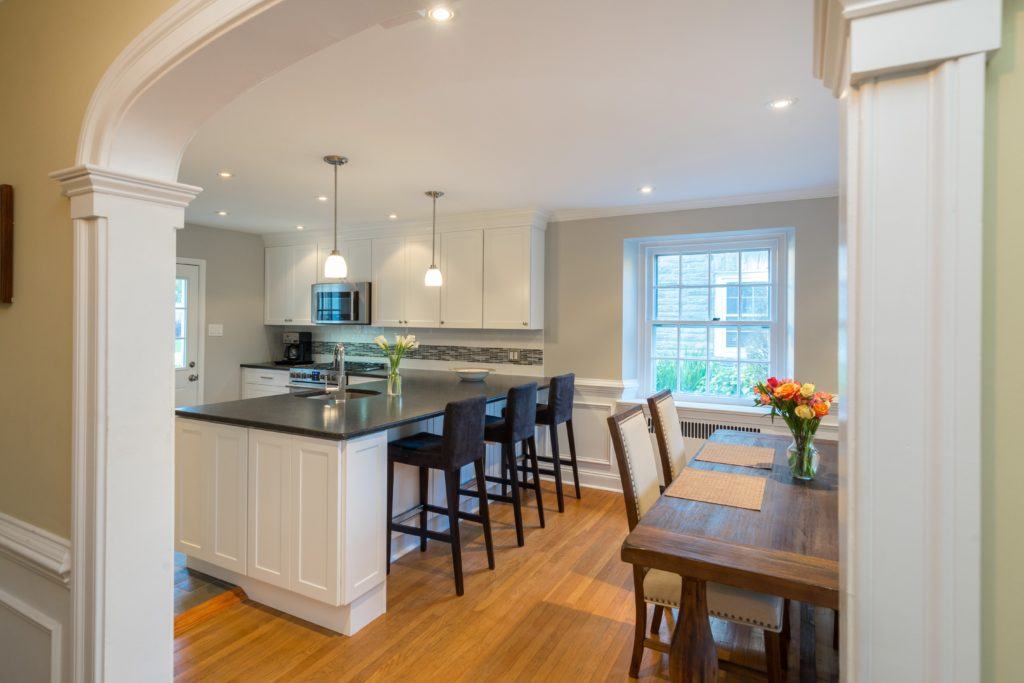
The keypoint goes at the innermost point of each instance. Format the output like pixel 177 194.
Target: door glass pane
pixel 693 342
pixel 724 343
pixel 179 353
pixel 695 269
pixel 725 268
pixel 667 270
pixel 179 322
pixel 180 291
pixel 665 341
pixel 667 304
pixel 755 343
pixel 755 265
pixel 695 303
pixel 751 374
pixel 755 303
pixel 722 379
pixel 665 375
pixel 725 303
pixel 692 376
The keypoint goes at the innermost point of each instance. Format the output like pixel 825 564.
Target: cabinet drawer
pixel 270 378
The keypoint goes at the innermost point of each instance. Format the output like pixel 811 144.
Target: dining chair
pixel 671 446
pixel 640 487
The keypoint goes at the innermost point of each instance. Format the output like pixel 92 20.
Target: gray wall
pixel 234 298
pixel 585 274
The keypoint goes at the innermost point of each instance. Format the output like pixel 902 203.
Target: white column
pixel 911 79
pixel 123 408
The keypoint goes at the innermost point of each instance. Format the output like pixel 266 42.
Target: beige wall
pixel 52 55
pixel 1003 367
pixel 584 301
pixel 234 298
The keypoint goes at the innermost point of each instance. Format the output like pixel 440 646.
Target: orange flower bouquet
pixel 802 407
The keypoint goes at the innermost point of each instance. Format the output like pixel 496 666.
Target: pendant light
pixel 433 276
pixel 335 266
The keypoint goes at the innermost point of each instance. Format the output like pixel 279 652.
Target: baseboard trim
pixel 43 552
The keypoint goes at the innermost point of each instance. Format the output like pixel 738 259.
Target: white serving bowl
pixel 472 374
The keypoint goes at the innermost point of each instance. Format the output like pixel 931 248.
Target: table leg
pixel 693 657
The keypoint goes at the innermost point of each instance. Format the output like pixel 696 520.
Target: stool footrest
pixel 416 531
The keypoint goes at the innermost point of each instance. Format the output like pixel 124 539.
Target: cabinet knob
pixel 442 322
pixel 525 324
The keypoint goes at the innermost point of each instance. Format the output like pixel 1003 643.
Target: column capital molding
pixel 86 182
pixel 855 40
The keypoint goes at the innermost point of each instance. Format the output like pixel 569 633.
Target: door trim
pixel 201 308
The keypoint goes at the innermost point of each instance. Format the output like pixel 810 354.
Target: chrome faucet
pixel 339 367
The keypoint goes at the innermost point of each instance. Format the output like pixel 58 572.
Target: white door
pixel 187 306
pixel 507 278
pixel 462 267
pixel 388 293
pixel 422 303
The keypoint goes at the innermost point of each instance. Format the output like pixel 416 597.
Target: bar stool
pixel 462 443
pixel 516 426
pixel 557 410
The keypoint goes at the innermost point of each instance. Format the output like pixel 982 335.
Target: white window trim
pixel 782 243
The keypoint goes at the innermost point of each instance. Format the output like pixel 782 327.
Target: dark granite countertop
pixel 271 365
pixel 424 394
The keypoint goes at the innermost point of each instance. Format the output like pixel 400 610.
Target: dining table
pixel 789 548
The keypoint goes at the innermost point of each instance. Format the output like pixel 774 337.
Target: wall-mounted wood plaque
pixel 6 244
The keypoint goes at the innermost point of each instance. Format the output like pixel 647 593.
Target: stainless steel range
pixel 318 375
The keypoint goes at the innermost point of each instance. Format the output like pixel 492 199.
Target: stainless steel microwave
pixel 342 303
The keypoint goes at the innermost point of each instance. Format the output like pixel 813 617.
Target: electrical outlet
pixel 513 354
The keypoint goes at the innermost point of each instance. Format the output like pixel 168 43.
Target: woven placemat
pixel 737 454
pixel 721 488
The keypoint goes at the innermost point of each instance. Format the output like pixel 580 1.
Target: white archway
pixel 126 204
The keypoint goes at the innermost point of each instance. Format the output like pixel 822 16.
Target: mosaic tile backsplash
pixel 468 354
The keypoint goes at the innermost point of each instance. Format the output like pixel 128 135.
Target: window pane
pixel 179 322
pixel 755 303
pixel 695 303
pixel 722 379
pixel 665 375
pixel 692 376
pixel 693 342
pixel 666 304
pixel 179 353
pixel 665 342
pixel 755 343
pixel 725 303
pixel 180 291
pixel 724 343
pixel 751 374
pixel 667 269
pixel 725 268
pixel 755 265
pixel 695 269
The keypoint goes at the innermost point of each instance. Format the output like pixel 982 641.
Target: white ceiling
pixel 561 104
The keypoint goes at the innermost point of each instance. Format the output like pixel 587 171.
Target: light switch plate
pixel 215 330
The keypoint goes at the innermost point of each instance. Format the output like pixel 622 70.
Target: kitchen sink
pixel 338 396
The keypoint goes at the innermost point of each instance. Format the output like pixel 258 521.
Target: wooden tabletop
pixel 790 548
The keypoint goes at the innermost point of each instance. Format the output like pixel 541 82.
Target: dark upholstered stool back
pixel 464 430
pixel 560 398
pixel 520 413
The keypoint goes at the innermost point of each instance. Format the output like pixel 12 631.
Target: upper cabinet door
pixel 462 267
pixel 507 278
pixel 422 303
pixel 357 256
pixel 388 293
pixel 303 278
pixel 277 290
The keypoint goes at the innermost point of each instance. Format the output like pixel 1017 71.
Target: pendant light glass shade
pixel 335 266
pixel 433 276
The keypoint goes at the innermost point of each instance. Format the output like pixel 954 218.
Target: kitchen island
pixel 286 495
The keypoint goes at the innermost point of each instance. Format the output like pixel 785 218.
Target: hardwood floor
pixel 558 609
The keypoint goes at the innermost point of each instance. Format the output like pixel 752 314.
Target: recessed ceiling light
pixel 300 227
pixel 226 174
pixel 782 103
pixel 222 213
pixel 440 14
pixel 646 189
pixel 322 198
pixel 392 216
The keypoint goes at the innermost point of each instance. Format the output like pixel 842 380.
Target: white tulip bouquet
pixel 403 344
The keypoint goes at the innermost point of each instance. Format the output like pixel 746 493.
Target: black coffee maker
pixel 298 348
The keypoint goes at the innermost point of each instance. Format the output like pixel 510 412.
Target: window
pixel 714 314
pixel 180 321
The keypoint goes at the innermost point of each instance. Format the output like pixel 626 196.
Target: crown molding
pixel 563 215
pixel 45 553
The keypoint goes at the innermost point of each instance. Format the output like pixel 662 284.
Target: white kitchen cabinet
pixel 270 507
pixel 400 299
pixel 357 255
pixel 257 382
pixel 315 518
pixel 462 267
pixel 513 289
pixel 290 273
pixel 210 493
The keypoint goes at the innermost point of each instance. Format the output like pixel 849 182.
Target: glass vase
pixel 803 458
pixel 394 383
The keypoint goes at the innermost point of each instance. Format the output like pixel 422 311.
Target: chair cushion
pixel 725 602
pixel 423 449
pixel 494 429
pixel 543 414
